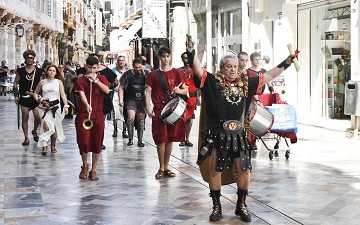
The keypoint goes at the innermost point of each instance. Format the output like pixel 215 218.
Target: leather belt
pixel 137 95
pixel 194 94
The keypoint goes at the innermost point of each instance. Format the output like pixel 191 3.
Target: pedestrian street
pixel 318 184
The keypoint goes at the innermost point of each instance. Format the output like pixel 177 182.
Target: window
pixel 235 22
pixel 214 26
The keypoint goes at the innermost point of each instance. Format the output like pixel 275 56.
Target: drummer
pixel 226 93
pixel 164 134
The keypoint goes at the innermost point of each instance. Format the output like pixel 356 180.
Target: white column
pixel 20 49
pixel 38 49
pixel 11 49
pixel 48 47
pixel 355 56
pixel 3 44
pixel 209 61
pixel 42 49
pixel 355 41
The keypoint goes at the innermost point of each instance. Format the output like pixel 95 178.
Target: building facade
pixel 42 22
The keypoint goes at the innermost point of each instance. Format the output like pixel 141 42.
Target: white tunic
pixel 51 91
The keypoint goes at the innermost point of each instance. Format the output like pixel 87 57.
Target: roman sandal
pixel 159 174
pixel 84 171
pixel 26 142
pixel 36 137
pixel 44 150
pixel 168 173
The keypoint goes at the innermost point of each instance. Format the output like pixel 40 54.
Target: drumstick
pixel 294 60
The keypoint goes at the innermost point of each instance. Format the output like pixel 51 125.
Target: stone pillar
pixel 42 49
pixel 48 50
pixel 11 49
pixel 20 49
pixel 3 43
pixel 38 49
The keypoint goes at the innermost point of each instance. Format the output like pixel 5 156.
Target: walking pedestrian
pixel 133 84
pixel 91 88
pixel 164 134
pixel 27 78
pixel 51 89
pixel 227 95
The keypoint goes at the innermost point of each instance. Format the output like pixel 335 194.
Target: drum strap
pixel 162 82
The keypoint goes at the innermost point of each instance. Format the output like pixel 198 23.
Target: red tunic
pixel 90 140
pixel 191 102
pixel 161 131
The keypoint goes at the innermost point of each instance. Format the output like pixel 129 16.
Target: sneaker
pixel 188 144
pixel 182 144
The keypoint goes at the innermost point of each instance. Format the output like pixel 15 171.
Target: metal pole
pixel 187 16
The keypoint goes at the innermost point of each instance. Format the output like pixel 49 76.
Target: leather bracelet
pixel 283 64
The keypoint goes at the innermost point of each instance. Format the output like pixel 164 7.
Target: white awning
pixel 129 34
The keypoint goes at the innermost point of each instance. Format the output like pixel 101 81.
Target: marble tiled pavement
pixel 319 184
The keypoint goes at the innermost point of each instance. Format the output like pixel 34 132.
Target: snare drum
pixel 173 110
pixel 261 120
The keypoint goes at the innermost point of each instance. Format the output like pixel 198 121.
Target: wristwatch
pixel 96 80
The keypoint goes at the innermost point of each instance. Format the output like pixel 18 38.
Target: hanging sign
pixel 154 19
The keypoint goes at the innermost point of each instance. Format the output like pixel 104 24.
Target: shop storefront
pixel 324 35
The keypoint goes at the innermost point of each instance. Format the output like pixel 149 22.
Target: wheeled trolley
pixel 284 125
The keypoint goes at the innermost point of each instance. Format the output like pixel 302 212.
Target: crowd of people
pixel 95 92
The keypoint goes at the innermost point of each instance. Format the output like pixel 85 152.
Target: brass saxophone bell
pixel 88 124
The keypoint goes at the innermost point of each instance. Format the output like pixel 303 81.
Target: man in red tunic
pixel 191 102
pixel 91 89
pixel 164 134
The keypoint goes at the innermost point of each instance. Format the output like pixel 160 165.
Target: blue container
pixel 284 118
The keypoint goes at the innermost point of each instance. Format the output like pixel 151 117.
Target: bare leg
pixel 84 168
pixel 95 159
pixel 37 120
pixel 168 150
pixel 214 176
pixel 92 174
pixel 24 121
pixel 161 155
pixel 243 182
pixel 188 129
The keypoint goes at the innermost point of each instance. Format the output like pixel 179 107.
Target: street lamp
pixel 19 28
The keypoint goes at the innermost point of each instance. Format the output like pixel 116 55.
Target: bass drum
pixel 261 120
pixel 173 110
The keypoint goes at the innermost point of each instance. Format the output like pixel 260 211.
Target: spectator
pixel 3 78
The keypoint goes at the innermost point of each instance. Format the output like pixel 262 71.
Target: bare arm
pixel 275 72
pixel 198 71
pixel 37 91
pixel 121 95
pixel 103 87
pixel 63 97
pixel 149 109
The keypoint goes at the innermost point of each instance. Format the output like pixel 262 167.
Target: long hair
pixel 57 75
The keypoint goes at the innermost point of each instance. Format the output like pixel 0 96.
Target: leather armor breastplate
pixel 136 84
